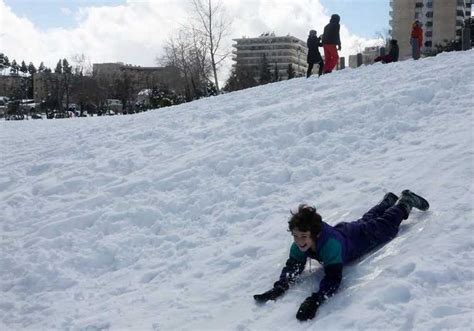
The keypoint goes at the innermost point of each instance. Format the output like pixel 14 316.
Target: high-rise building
pixel 279 52
pixel 442 21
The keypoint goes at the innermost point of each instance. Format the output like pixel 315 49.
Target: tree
pixel 81 65
pixel 66 79
pixel 265 74
pixel 4 63
pixel 383 37
pixel 81 81
pixel 31 69
pixel 41 67
pixel 276 76
pixel 187 52
pixel 214 25
pixel 29 81
pixel 14 68
pixel 123 89
pixel 240 78
pixel 290 71
pixel 23 67
pixel 58 91
pixel 63 73
pixel 59 68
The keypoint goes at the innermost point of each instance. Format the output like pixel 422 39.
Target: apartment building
pixel 442 21
pixel 280 51
pixel 141 77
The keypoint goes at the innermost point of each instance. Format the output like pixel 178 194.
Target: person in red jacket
pixel 416 40
pixel 331 43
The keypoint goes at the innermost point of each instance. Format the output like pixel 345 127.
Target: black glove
pixel 272 294
pixel 308 308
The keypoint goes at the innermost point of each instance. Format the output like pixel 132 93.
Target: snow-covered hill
pixel 173 219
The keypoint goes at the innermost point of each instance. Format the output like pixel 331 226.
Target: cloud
pixel 66 11
pixel 135 32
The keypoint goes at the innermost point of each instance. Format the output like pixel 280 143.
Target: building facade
pixel 280 52
pixel 10 84
pixel 442 20
pixel 141 77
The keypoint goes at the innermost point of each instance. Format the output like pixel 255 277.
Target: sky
pixel 135 32
pixel 174 218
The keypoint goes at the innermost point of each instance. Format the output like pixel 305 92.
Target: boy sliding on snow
pixel 335 246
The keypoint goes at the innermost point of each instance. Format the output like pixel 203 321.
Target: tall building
pixel 442 21
pixel 279 52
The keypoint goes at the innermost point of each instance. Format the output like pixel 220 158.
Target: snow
pixel 173 219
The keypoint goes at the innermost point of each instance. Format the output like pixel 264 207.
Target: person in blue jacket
pixel 334 246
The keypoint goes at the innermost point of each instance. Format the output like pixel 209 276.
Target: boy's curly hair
pixel 306 219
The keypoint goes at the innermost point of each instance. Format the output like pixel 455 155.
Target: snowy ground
pixel 173 219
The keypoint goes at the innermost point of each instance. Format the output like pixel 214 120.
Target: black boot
pixel 408 200
pixel 389 199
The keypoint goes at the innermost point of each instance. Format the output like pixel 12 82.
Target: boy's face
pixel 302 239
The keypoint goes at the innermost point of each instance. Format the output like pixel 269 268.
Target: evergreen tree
pixel 123 89
pixel 6 62
pixel 59 68
pixel 23 67
pixel 66 79
pixel 41 67
pixel 290 71
pixel 31 69
pixel 14 68
pixel 265 73
pixel 240 78
pixel 276 76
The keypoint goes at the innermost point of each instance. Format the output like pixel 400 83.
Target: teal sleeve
pixel 331 252
pixel 296 254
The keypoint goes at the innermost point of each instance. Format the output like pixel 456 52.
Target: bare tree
pixel 83 86
pixel 187 52
pixel 383 37
pixel 212 23
pixel 81 65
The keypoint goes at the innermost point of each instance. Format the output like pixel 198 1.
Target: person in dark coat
pixel 335 246
pixel 331 43
pixel 314 56
pixel 392 55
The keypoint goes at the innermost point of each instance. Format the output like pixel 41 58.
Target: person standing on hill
pixel 416 40
pixel 314 56
pixel 392 55
pixel 331 43
pixel 334 246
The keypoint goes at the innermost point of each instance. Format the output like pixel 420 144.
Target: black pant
pixel 310 69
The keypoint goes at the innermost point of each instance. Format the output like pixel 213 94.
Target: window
pixel 429 24
pixel 428 43
pixel 419 5
pixel 429 14
pixel 429 34
pixel 429 4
